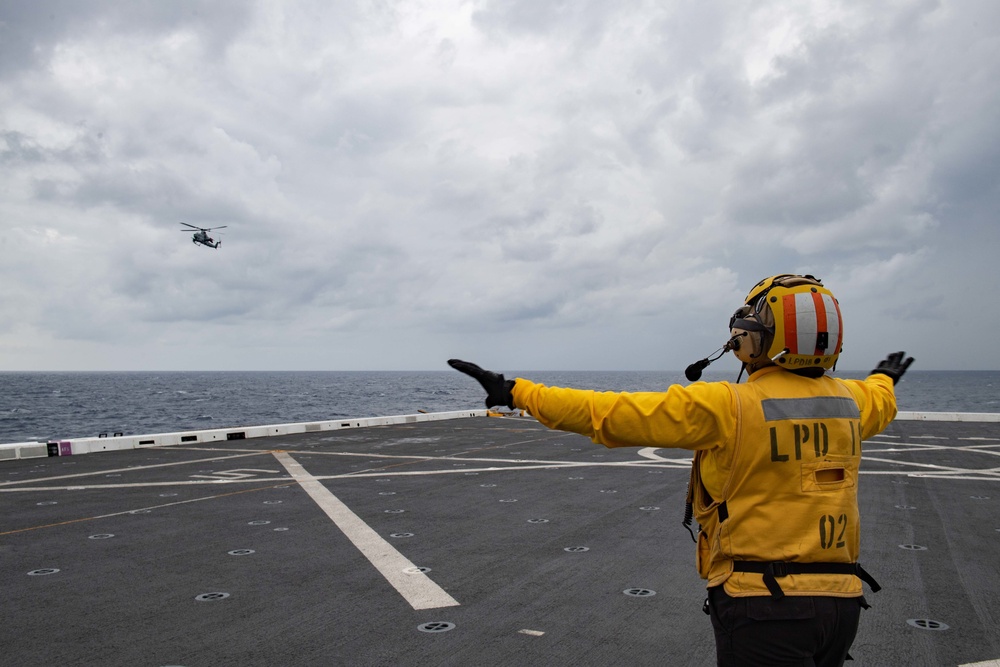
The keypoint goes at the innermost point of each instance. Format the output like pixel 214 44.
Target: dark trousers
pixel 815 631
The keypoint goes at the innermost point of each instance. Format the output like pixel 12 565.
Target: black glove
pixel 893 366
pixel 498 390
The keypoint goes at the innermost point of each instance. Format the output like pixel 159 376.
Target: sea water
pixel 50 406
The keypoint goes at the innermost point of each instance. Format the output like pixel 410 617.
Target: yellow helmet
pixel 790 320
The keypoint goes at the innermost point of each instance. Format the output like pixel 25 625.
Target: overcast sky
pixel 528 184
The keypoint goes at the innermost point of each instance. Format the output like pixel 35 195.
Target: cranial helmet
pixel 790 320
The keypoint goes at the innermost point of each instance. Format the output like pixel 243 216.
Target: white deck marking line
pixel 135 511
pixel 912 464
pixel 970 477
pixel 143 485
pixel 120 470
pixel 465 471
pixel 650 454
pixel 454 457
pixel 416 587
pixel 666 465
pixel 918 448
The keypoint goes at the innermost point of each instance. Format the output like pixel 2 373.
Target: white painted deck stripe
pixel 416 587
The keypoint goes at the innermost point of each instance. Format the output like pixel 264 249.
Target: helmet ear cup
pixel 747 345
pixel 753 329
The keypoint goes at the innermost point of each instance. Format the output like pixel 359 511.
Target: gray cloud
pixel 550 185
pixel 31 31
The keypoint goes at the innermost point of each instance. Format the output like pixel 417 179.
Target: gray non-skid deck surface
pixel 497 509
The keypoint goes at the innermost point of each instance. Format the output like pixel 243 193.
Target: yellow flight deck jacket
pixel 775 471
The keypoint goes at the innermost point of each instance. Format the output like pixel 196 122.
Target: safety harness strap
pixel 775 569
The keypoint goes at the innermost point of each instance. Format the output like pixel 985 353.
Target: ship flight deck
pixel 466 541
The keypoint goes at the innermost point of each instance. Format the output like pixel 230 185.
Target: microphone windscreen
pixel 693 372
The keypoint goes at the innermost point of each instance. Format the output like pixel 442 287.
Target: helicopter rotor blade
pixel 201 229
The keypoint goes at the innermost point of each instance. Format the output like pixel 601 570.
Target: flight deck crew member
pixel 775 472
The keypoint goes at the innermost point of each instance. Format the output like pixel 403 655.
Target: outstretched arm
pixel 695 417
pixel 876 395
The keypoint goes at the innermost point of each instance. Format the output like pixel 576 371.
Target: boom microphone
pixel 693 372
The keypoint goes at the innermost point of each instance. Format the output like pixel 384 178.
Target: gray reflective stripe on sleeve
pixel 820 407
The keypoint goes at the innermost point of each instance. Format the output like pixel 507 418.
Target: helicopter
pixel 201 236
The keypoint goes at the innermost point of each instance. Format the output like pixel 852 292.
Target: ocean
pixel 52 406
